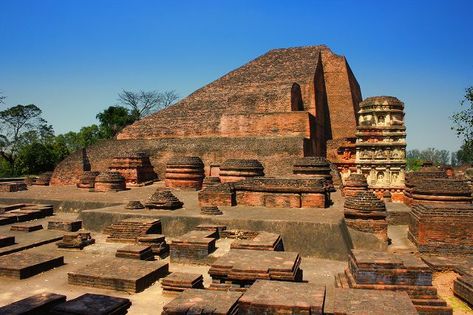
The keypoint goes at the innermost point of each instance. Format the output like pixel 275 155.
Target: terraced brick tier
pixel 280 297
pixel 15 216
pixel 96 304
pixel 141 252
pixel 359 302
pixel 25 264
pixel 211 227
pixel 442 229
pixel 218 195
pixel 156 241
pixel 65 225
pixel 239 234
pixel 244 267
pixel 163 199
pixel 262 241
pixel 394 272
pixel 128 230
pixel 234 170
pixel 180 281
pixel 119 274
pixel 6 240
pixel 12 186
pixel 210 210
pixel 463 288
pixel 75 240
pixel 185 172
pixel 198 301
pixel 26 227
pixel 40 303
pixel 9 207
pixel 192 246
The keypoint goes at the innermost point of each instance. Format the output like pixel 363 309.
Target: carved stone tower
pixel 381 145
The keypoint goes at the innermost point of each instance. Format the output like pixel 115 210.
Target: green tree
pixel 36 158
pixel 18 125
pixel 113 120
pixel 463 126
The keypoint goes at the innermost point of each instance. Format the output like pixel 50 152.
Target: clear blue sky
pixel 72 57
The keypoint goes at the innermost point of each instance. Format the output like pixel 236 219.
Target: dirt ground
pixel 443 281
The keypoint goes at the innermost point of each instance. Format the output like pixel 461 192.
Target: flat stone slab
pixel 29 240
pixel 26 227
pixel 36 304
pixel 463 288
pixel 282 297
pixel 96 304
pixel 65 225
pixel 6 240
pixel 142 252
pixel 250 265
pixel 119 274
pixel 192 246
pixel 179 281
pixel 262 241
pixel 198 301
pixel 373 302
pixel 26 264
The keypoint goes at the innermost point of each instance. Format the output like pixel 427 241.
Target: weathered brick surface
pixel 265 110
pixel 394 272
pixel 163 199
pixel 185 172
pixel 180 281
pixel 192 246
pixel 313 201
pixel 109 181
pixel 65 225
pixel 243 267
pixel 96 304
pixel 12 186
pixel 40 303
pixel 76 240
pixel 219 195
pixel 445 229
pixel 140 252
pixel 119 274
pixel 135 167
pixel 129 230
pixel 463 288
pixel 353 302
pixel 26 264
pixel 262 241
pixel 278 297
pixel 199 301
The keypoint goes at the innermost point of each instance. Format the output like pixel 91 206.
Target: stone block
pixel 313 201
pixel 140 252
pixel 65 225
pixel 6 240
pixel 180 281
pixel 26 227
pixel 198 301
pixel 96 304
pixel 40 303
pixel 250 198
pixel 282 297
pixel 119 274
pixel 26 264
pixel 281 200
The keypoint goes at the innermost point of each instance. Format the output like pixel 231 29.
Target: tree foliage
pixel 142 103
pixel 20 125
pixel 113 120
pixel 416 157
pixel 463 126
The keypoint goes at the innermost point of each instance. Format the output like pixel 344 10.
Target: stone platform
pixel 241 268
pixel 311 232
pixel 26 227
pixel 280 297
pixel 119 274
pixel 40 303
pixel 6 240
pixel 360 302
pixel 96 304
pixel 25 264
pixel 262 241
pixel 198 301
pixel 140 252
pixel 180 281
pixel 463 288
pixel 192 246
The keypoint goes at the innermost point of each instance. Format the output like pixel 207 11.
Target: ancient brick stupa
pixel 286 104
pixel 87 180
pixel 234 170
pixel 314 167
pixel 354 184
pixel 163 199
pixel 109 181
pixel 366 213
pixel 135 167
pixel 426 173
pixel 381 145
pixel 185 172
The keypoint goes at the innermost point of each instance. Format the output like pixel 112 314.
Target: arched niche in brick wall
pixel 296 98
